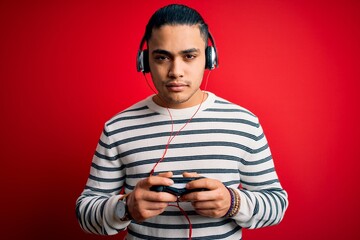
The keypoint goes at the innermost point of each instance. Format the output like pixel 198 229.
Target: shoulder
pixel 137 110
pixel 226 107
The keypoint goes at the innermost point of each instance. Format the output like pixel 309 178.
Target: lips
pixel 176 86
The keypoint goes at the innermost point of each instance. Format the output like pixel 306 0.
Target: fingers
pixel 166 174
pixel 143 192
pixel 141 209
pixel 161 179
pixel 201 195
pixel 190 174
pixel 204 183
pixel 143 203
pixel 213 202
pixel 210 189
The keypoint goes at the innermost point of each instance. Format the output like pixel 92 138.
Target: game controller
pixel 178 188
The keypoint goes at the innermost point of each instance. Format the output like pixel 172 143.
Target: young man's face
pixel 177 64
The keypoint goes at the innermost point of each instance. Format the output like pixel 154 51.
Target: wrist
pixel 234 203
pixel 122 210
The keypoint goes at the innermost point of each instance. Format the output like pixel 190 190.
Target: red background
pixel 68 66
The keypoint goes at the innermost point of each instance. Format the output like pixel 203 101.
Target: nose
pixel 176 69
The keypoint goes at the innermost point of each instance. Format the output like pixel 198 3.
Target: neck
pixel 195 100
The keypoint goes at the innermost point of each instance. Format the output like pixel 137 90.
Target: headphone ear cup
pixel 146 61
pixel 207 58
pixel 142 61
pixel 210 56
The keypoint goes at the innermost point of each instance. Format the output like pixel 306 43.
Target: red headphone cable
pixel 171 137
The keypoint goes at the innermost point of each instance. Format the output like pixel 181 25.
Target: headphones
pixel 142 60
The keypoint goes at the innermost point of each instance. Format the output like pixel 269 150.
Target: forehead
pixel 176 38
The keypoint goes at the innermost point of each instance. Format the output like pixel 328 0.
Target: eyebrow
pixel 191 50
pixel 186 51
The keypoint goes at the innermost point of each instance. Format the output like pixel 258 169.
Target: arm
pixel 95 208
pixel 263 202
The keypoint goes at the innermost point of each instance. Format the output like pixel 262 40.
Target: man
pixel 181 131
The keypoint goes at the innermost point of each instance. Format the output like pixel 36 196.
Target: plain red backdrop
pixel 68 66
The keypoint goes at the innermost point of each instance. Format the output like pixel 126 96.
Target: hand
pixel 212 203
pixel 143 203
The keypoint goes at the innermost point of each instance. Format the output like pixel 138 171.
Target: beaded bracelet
pixel 231 203
pixel 236 206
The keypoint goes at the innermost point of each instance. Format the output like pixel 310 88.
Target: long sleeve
pixel 223 141
pixel 95 207
pixel 263 200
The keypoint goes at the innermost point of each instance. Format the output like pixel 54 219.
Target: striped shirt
pixel 222 141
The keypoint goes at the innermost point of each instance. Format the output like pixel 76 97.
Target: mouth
pixel 176 86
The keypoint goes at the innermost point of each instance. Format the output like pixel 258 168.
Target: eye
pixel 190 56
pixel 161 58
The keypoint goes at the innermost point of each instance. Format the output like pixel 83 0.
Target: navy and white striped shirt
pixel 223 141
